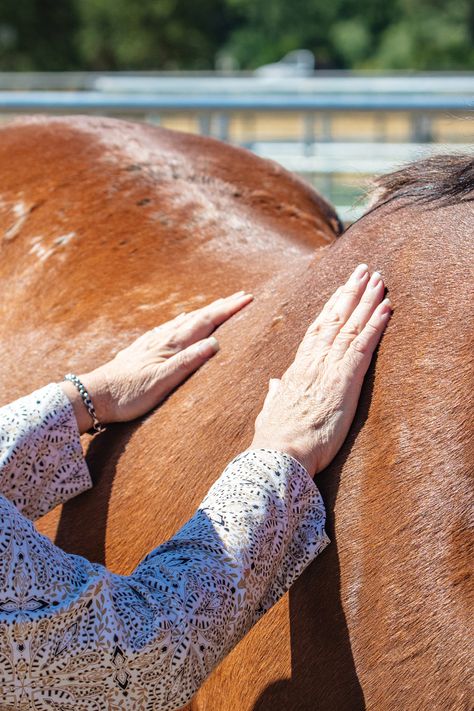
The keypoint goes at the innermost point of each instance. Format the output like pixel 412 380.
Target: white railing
pixel 336 163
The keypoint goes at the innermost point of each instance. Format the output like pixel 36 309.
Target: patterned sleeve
pixel 74 635
pixel 41 458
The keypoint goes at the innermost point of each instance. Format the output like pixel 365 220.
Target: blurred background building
pixel 337 92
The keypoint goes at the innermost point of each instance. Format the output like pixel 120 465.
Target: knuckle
pixel 314 329
pixel 360 347
pixel 368 298
pixel 205 319
pixel 372 329
pixel 316 324
pixel 350 290
pixel 350 331
pixel 352 360
pixel 335 318
pixel 328 321
pixel 173 345
pixel 182 361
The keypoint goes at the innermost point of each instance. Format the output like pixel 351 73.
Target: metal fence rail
pixel 229 108
pixel 18 101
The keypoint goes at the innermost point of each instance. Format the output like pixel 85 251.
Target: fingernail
pixel 359 272
pixel 211 341
pixel 375 280
pixel 385 307
pixel 237 293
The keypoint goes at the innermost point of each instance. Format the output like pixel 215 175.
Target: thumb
pixel 273 386
pixel 179 366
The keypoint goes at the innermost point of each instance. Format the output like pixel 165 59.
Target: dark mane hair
pixel 439 181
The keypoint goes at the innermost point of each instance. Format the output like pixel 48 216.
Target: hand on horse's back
pixel 140 376
pixel 308 413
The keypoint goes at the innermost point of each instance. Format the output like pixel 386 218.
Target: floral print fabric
pixel 41 459
pixel 76 637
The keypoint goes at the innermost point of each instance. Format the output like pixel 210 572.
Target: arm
pixel 41 458
pixel 72 630
pixel 156 634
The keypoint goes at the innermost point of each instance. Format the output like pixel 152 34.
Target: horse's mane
pixel 438 181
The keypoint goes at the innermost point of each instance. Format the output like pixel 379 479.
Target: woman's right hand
pixel 308 413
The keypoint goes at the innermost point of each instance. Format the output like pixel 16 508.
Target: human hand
pixel 144 373
pixel 308 413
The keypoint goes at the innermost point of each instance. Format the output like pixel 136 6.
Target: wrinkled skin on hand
pixel 309 411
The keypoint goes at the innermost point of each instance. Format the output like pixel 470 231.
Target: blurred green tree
pixel 179 34
pixel 357 34
pixel 151 34
pixel 428 34
pixel 38 35
pixel 268 30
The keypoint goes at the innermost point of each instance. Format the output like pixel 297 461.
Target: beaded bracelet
pixel 86 399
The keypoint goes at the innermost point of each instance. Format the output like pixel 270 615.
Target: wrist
pixel 97 391
pixel 281 446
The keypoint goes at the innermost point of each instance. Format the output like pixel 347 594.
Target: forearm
pixel 255 532
pixel 159 632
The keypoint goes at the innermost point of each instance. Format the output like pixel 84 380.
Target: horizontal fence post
pixel 409 108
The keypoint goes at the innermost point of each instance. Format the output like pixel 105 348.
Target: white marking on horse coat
pixel 21 212
pixel 43 252
pixel 38 250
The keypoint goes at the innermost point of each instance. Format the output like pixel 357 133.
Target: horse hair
pixel 441 180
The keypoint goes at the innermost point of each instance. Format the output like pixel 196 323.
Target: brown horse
pixel 110 228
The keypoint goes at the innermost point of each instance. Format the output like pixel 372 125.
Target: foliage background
pixel 185 34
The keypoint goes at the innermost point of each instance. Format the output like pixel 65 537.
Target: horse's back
pixel 110 227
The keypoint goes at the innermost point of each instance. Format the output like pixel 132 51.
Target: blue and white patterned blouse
pixel 75 636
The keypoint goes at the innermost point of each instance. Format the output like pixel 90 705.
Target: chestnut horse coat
pixel 110 228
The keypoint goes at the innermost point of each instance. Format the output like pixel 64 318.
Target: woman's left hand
pixel 144 373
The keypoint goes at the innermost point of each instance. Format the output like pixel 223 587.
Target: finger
pixel 220 310
pixel 178 367
pixel 357 321
pixel 328 306
pixel 202 322
pixel 357 357
pixel 168 324
pixel 322 332
pixel 274 384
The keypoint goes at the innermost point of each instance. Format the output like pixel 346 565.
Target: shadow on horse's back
pixel 134 225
